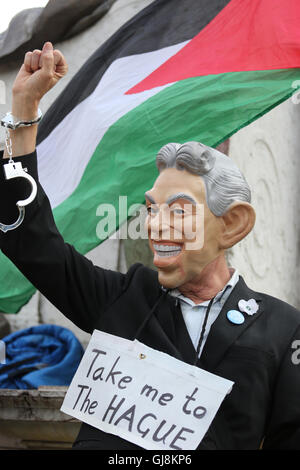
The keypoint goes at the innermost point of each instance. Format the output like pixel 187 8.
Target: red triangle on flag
pixel 247 35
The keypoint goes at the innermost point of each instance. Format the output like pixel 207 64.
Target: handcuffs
pixel 15 170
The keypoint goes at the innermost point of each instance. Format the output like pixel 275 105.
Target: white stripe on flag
pixel 65 153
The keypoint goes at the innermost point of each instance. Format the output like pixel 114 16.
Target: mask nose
pixel 159 223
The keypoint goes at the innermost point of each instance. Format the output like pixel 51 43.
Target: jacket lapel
pixel 171 332
pixel 183 340
pixel 223 333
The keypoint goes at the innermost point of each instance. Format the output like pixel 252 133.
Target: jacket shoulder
pixel 140 276
pixel 284 317
pixel 281 308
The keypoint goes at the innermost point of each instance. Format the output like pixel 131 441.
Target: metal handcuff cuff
pixel 15 170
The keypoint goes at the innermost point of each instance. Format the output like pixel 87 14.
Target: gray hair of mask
pixel 224 182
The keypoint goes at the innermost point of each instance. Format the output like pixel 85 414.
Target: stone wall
pixel 268 151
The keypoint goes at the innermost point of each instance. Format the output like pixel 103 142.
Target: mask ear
pixel 238 221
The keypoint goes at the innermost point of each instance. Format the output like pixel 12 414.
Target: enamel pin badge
pixel 250 307
pixel 236 317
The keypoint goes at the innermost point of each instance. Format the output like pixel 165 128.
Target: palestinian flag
pixel 180 70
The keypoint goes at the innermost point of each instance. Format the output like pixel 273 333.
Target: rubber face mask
pixel 183 233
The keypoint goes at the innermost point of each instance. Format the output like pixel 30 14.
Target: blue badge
pixel 236 317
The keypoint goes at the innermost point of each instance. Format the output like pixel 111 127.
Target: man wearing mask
pixel 194 308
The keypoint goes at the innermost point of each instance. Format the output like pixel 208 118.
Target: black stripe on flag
pixel 163 23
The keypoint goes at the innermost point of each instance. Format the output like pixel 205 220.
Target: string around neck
pixel 152 311
pixel 203 330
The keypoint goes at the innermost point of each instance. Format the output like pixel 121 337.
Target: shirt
pixel 194 314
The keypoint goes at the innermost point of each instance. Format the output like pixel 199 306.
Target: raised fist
pixel 39 73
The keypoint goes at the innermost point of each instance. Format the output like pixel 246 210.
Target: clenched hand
pixel 40 72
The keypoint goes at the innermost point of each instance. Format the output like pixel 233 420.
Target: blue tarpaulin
pixel 40 355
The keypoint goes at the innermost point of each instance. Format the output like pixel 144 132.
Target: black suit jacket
pixel 264 405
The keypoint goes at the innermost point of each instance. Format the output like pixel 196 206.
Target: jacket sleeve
pixel 66 278
pixel 283 432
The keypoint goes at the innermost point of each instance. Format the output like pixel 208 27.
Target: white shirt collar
pixel 230 284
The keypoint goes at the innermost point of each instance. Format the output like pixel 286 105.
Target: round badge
pixel 236 317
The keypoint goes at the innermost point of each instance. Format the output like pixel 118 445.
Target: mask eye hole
pixel 152 209
pixel 177 211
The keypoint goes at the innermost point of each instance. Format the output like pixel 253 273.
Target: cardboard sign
pixel 147 397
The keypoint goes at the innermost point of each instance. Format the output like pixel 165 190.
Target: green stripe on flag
pixel 208 109
pixel 15 290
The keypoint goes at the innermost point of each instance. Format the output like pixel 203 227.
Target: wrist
pixel 24 108
pixel 23 141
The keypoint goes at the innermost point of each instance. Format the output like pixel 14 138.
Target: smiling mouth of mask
pixel 167 250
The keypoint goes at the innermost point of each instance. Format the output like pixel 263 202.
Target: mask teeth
pixel 166 248
pixel 167 253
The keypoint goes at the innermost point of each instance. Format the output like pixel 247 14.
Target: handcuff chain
pixel 8 144
pixel 15 170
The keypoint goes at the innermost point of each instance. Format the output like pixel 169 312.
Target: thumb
pixel 47 58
